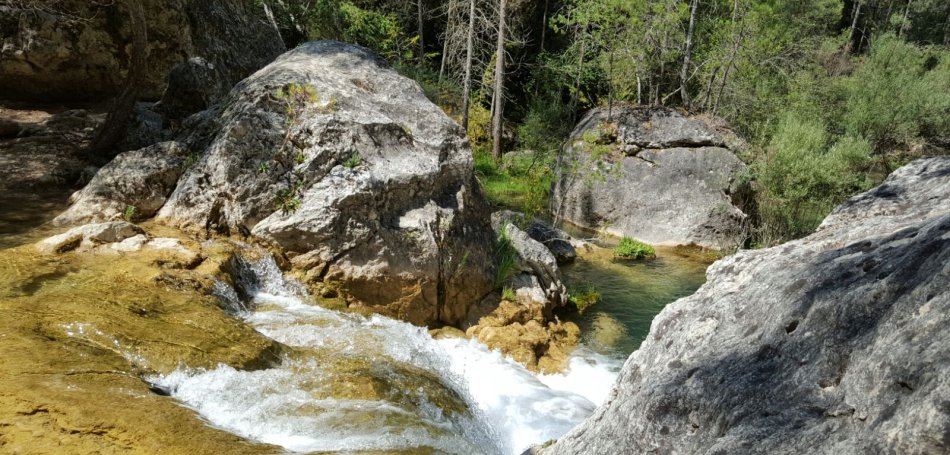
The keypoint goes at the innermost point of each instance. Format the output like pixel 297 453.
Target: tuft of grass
pixel 130 213
pixel 509 294
pixel 633 249
pixel 355 160
pixel 506 257
pixel 584 296
pixel 287 201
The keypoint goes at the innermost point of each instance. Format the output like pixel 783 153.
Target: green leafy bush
pixel 629 248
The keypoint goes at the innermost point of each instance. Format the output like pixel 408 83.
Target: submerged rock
pixel 80 331
pixel 834 343
pixel 651 174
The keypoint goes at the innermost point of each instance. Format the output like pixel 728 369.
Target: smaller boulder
pixel 557 241
pixel 88 236
pixel 533 257
pixel 141 179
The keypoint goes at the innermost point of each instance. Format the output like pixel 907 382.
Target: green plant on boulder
pixel 629 248
pixel 354 161
pixel 509 294
pixel 506 256
pixel 130 213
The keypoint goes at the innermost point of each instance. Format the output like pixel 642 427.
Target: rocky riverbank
pixel 832 343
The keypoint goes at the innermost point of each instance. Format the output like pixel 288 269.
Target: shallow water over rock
pixel 632 293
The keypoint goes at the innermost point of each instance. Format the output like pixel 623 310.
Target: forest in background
pixel 830 96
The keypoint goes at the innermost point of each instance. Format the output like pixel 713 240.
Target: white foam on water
pixel 512 409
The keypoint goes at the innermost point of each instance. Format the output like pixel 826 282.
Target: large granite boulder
pixel 834 343
pixel 651 174
pixel 332 156
pixel 78 50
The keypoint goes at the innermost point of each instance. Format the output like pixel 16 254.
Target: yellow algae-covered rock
pixel 79 332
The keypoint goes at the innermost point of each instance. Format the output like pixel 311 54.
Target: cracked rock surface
pixel 651 174
pixel 834 343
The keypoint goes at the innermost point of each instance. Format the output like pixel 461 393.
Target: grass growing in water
pixel 633 249
pixel 584 296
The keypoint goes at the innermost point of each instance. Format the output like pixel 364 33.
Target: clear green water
pixel 632 293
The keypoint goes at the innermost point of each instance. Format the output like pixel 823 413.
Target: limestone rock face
pixel 834 343
pixel 78 50
pixel 345 165
pixel 651 174
pixel 141 179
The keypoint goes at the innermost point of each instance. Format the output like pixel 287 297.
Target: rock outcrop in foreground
pixel 651 174
pixel 835 343
pixel 346 166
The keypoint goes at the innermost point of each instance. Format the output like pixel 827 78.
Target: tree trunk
pixel 900 31
pixel 113 131
pixel 422 43
pixel 498 98
pixel 467 89
pixel 854 25
pixel 684 72
pixel 544 25
pixel 448 37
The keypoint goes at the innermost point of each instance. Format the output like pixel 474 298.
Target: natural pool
pixel 632 293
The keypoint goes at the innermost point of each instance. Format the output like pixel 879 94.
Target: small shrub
pixel 509 294
pixel 131 213
pixel 633 249
pixel 287 201
pixel 355 160
pixel 584 296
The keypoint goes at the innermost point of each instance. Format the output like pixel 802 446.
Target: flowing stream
pixel 355 383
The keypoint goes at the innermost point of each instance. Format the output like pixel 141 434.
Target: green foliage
pixel 509 294
pixel 506 258
pixel 629 248
pixel 191 160
pixel 287 200
pixel 355 160
pixel 522 182
pixel 130 213
pixel 897 93
pixel 584 296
